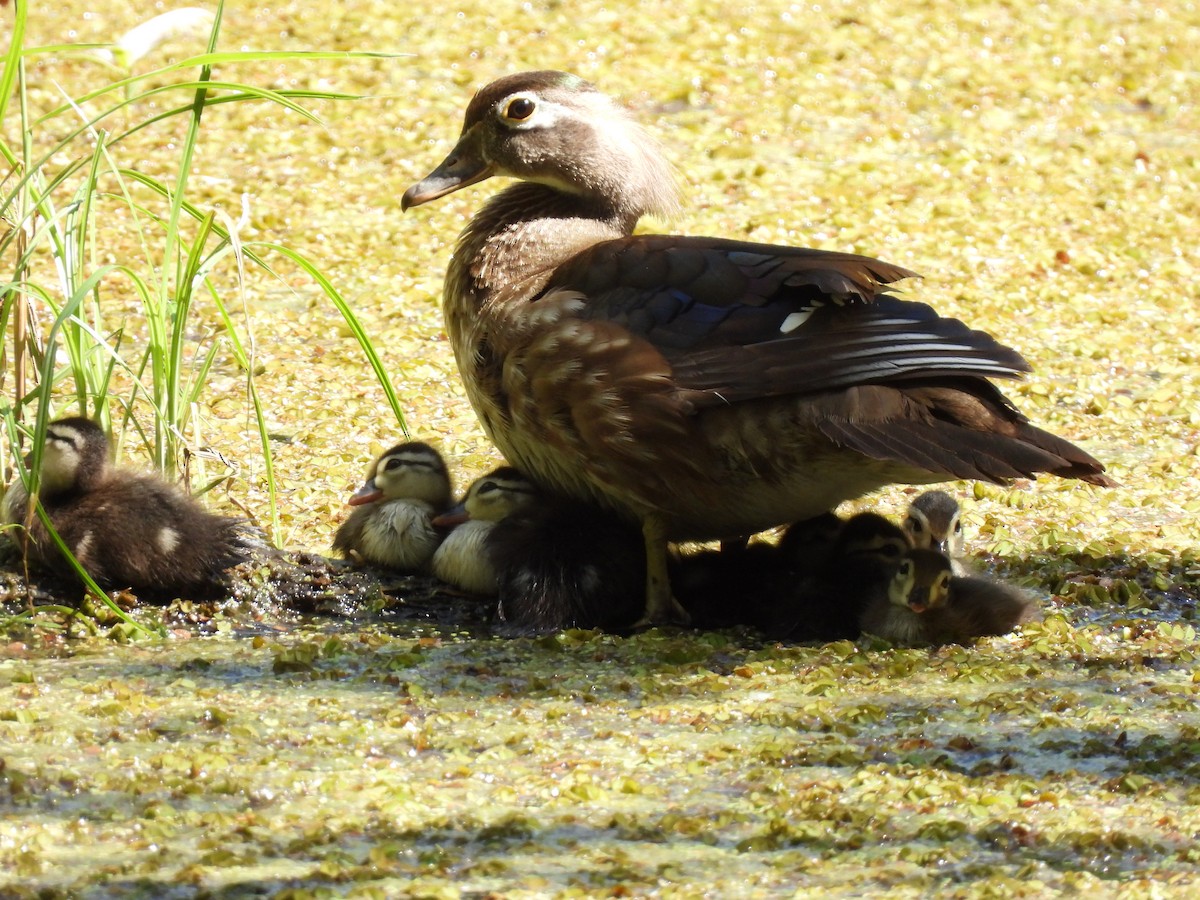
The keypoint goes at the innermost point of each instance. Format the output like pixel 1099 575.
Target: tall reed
pixel 65 317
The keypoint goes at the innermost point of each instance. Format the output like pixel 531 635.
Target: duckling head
pixel 499 494
pixel 933 522
pixel 921 581
pixel 869 536
pixel 75 457
pixel 409 471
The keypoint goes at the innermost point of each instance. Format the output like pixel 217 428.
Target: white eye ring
pixel 519 108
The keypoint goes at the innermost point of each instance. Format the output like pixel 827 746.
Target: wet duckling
pixel 127 530
pixel 462 559
pixel 562 564
pixel 392 522
pixel 934 522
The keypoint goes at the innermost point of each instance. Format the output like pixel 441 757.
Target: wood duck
pixel 933 522
pixel 392 521
pixel 462 559
pixel 127 530
pixel 979 606
pixel 732 586
pixel 562 564
pixel 705 388
pixel 924 602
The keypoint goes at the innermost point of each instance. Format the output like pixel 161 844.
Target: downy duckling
pixel 979 606
pixel 127 530
pixel 562 564
pixel 934 522
pixel 925 603
pixel 901 608
pixel 462 559
pixel 826 605
pixel 392 522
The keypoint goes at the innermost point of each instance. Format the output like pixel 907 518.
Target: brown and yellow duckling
pixel 924 602
pixel 826 604
pixel 392 521
pixel 126 529
pixel 702 387
pixel 463 560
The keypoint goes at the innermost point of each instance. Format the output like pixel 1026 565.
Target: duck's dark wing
pixel 737 320
pixel 728 321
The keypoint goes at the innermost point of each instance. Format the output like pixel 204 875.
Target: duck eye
pixel 957 527
pixel 913 524
pixel 905 569
pixel 519 109
pixel 393 463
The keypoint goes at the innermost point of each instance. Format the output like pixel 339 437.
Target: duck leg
pixel 661 606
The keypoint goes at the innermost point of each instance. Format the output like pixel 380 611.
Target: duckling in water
pixel 934 522
pixel 561 564
pixel 125 529
pixel 924 602
pixel 392 522
pixel 462 559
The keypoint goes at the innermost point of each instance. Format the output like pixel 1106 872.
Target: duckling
pixel 125 529
pixel 924 602
pixel 462 559
pixel 934 522
pixel 392 522
pixel 826 604
pixel 563 565
pixel 705 387
pixel 979 606
pixel 900 608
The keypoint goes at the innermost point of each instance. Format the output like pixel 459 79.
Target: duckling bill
pixel 127 530
pixel 462 559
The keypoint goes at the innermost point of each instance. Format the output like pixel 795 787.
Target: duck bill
pixel 368 493
pixel 918 604
pixel 464 166
pixel 455 515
